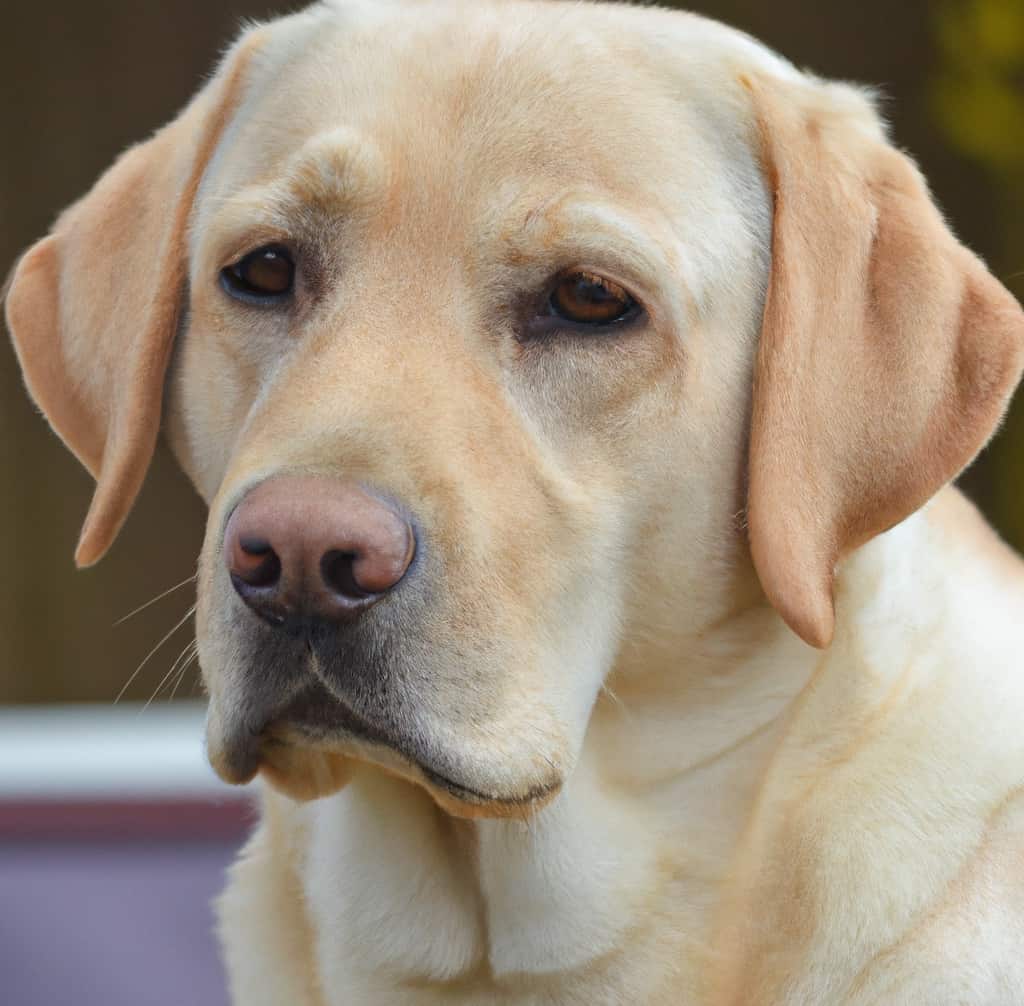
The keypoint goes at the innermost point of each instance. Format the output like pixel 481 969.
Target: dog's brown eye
pixel 263 276
pixel 589 299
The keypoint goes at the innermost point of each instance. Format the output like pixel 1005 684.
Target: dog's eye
pixel 588 299
pixel 264 276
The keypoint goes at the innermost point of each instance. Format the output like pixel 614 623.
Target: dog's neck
pixel 648 820
pixel 663 788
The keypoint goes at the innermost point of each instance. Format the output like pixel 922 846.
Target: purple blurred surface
pixel 111 924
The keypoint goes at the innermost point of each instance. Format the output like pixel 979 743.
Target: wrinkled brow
pixel 334 173
pixel 337 170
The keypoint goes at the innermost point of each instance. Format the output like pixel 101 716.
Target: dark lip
pixel 346 725
pixel 464 793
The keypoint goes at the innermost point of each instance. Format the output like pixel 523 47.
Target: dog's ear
pixel 92 308
pixel 888 352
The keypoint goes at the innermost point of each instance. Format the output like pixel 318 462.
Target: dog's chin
pixel 308 761
pixel 305 770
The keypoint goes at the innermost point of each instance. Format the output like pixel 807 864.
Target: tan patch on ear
pixel 32 308
pixel 888 352
pixel 93 307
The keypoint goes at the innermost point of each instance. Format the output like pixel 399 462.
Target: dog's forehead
pixel 464 99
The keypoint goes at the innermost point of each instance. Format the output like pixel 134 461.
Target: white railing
pixel 106 752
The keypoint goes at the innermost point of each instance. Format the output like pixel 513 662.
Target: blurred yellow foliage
pixel 978 101
pixel 979 93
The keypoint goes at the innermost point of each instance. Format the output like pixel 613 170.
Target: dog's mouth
pixel 307 750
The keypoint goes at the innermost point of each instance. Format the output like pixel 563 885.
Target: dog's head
pixel 481 328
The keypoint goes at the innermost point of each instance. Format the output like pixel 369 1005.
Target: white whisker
pixel 193 653
pixel 145 660
pixel 159 597
pixel 168 676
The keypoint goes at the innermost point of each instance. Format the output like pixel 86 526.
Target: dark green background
pixel 83 80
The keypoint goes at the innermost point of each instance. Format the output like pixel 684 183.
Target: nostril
pixel 338 571
pixel 255 562
pixel 298 550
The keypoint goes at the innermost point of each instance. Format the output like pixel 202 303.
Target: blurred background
pixel 81 81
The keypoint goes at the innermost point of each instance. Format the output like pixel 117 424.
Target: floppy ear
pixel 888 352
pixel 92 308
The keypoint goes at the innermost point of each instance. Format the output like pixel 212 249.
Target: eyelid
pixel 637 284
pixel 231 253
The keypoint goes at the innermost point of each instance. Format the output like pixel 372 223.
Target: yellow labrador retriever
pixel 575 390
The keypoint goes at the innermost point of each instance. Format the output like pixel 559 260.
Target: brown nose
pixel 300 547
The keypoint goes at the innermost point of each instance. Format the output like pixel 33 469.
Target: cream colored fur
pixel 696 760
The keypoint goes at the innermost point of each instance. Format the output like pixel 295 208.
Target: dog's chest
pixel 405 913
pixel 385 894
